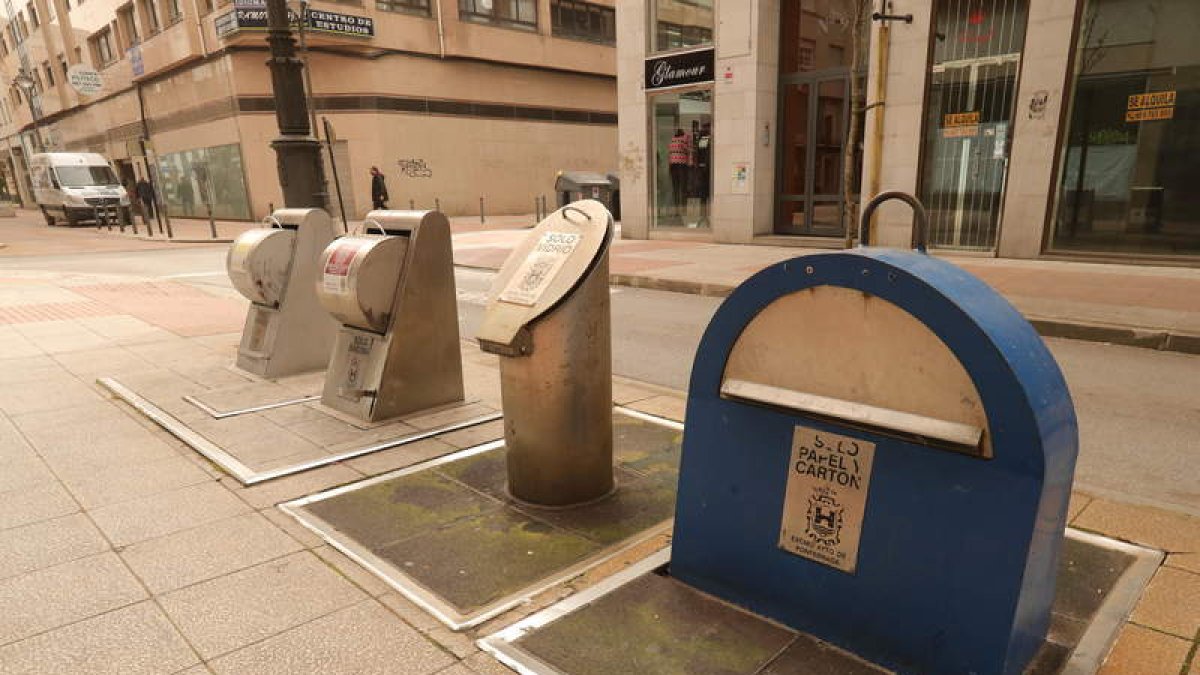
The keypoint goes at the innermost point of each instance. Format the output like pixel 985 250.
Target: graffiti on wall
pixel 415 168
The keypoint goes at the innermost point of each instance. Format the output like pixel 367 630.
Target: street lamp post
pixel 301 175
pixel 25 82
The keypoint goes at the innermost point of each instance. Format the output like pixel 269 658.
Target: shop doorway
pixel 968 120
pixel 814 110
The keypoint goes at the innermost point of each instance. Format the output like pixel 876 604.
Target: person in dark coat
pixel 379 194
pixel 145 195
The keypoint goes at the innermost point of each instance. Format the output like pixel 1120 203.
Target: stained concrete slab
pixel 453 531
pixel 657 624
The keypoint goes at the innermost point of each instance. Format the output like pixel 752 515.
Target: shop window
pixel 683 145
pixel 62 65
pixel 49 73
pixel 3 46
pixel 681 23
pixel 174 12
pixel 969 109
pixel 33 15
pixel 1128 177
pixel 522 13
pixel 404 6
pixel 102 47
pixel 193 180
pixel 584 21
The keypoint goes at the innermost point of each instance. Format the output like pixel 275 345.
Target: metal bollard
pixel 212 224
pixel 412 205
pixel 481 220
pixel 437 205
pixel 115 213
pixel 537 212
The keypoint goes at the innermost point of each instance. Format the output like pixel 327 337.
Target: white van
pixel 70 185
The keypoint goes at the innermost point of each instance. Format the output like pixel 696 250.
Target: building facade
pixel 1028 128
pixel 456 101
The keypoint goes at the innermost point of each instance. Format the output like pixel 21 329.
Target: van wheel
pixel 49 218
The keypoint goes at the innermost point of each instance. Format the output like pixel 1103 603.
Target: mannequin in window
pixel 679 156
pixel 701 171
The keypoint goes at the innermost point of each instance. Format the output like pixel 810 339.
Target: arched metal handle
pixel 371 221
pixel 920 232
pixel 576 210
pixel 272 222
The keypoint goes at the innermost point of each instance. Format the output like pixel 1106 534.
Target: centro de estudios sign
pixel 251 15
pixel 678 70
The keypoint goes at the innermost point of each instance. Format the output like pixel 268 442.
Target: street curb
pixel 1129 336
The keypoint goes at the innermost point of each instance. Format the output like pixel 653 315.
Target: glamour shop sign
pixel 676 70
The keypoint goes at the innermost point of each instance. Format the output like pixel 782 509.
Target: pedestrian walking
pixel 145 195
pixel 379 194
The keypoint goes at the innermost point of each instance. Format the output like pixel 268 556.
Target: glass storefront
pixel 193 179
pixel 681 23
pixel 815 55
pixel 683 147
pixel 1129 176
pixel 969 110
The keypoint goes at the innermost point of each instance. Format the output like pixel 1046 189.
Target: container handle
pixel 920 232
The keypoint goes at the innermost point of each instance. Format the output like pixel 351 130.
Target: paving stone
pixel 105 362
pixel 133 521
pixel 29 368
pixel 1144 525
pixel 292 526
pixel 35 503
pixel 82 461
pixel 1184 561
pixel 59 595
pixel 129 641
pixel 278 490
pixel 457 644
pixel 1142 651
pixel 475 435
pixel 1079 502
pixel 239 609
pixel 364 638
pixel 383 461
pixel 48 543
pixel 485 664
pixel 46 395
pixel 25 472
pixel 368 582
pixel 1171 603
pixel 134 481
pixel 409 611
pixel 670 407
pixel 13 446
pixel 208 551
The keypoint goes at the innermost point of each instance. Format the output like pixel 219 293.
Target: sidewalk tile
pixel 22 473
pixel 233 611
pixel 130 522
pixel 48 543
pixel 364 638
pixel 670 407
pixel 396 458
pixel 106 362
pixel 486 664
pixel 1171 603
pixel 480 433
pixel 290 525
pixel 129 641
pixel 304 483
pixel 63 594
pixel 1184 561
pixel 1079 502
pixel 1141 651
pixel 53 394
pixel 34 504
pixel 81 461
pixel 369 583
pixel 409 611
pixel 208 551
pixel 134 481
pixel 1144 525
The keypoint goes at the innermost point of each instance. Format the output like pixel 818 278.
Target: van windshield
pixel 85 176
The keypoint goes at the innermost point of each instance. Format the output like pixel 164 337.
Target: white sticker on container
pixel 540 267
pixel 336 275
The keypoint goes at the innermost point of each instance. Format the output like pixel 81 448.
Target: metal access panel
pixel 549 319
pixel 286 331
pixel 879 451
pixel 392 292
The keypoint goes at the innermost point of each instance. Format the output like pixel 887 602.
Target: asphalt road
pixel 1139 410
